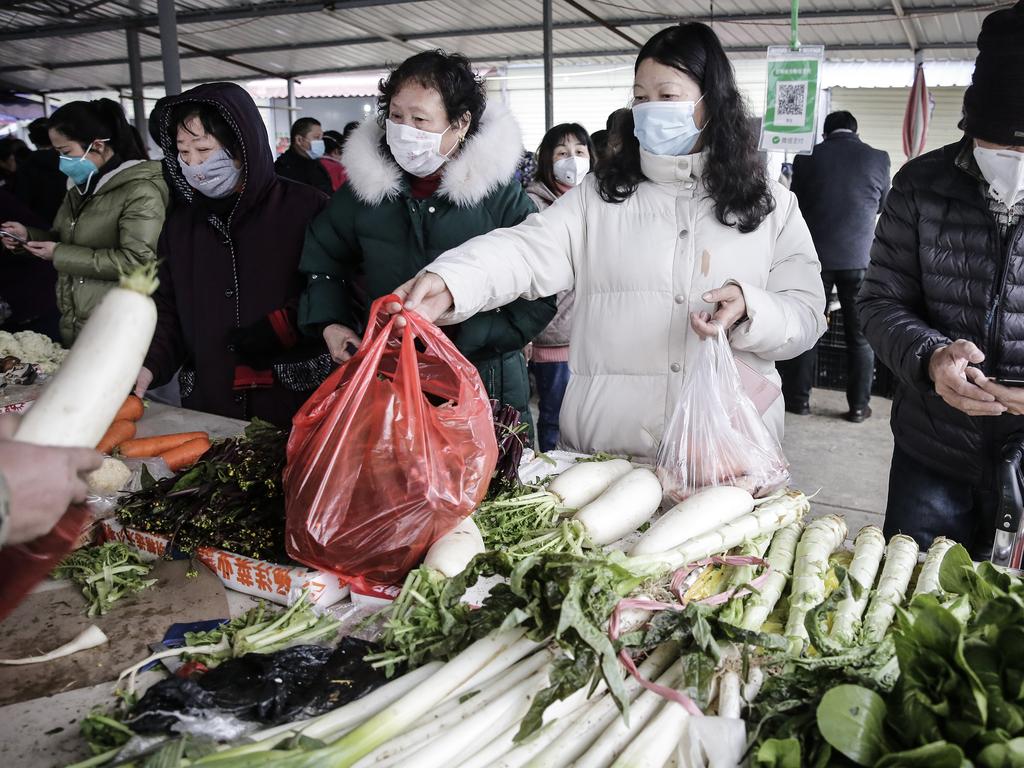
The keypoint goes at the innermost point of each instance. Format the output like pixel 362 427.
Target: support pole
pixel 549 66
pixel 46 105
pixel 794 24
pixel 135 73
pixel 292 102
pixel 169 47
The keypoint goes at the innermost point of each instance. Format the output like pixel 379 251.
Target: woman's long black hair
pixel 733 173
pixel 86 122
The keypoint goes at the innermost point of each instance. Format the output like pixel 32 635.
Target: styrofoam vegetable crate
pixel 258 578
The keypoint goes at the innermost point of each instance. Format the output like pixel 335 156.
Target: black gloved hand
pixel 256 345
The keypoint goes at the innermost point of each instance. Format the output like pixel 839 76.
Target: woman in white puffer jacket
pixel 680 230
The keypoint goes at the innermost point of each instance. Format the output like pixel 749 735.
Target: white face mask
pixel 417 152
pixel 1003 169
pixel 571 170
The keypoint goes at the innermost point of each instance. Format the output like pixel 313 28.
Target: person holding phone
pixel 111 216
pixel 943 305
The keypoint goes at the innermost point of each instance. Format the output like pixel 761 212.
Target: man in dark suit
pixel 841 188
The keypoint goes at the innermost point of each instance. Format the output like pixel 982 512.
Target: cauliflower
pixel 32 347
pixel 110 478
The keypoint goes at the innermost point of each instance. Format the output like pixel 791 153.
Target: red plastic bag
pixel 22 566
pixel 377 472
pixel 715 435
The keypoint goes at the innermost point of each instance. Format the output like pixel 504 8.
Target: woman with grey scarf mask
pixel 229 280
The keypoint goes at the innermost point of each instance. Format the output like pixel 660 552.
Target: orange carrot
pixel 186 454
pixel 132 409
pixel 155 446
pixel 119 431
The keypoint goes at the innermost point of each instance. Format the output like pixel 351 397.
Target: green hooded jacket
pixel 374 236
pixel 113 229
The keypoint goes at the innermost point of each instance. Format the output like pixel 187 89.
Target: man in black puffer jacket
pixel 943 305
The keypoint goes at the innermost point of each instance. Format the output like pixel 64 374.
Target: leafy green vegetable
pixel 418 622
pixel 938 754
pixel 257 632
pixel 232 498
pixel 105 573
pixel 779 753
pixel 959 698
pixel 852 720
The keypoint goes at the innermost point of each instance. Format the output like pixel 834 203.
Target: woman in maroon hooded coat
pixel 229 280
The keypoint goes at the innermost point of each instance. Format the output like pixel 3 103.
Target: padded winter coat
pixel 375 235
pixel 639 269
pixel 558 332
pixel 102 234
pixel 941 272
pixel 230 268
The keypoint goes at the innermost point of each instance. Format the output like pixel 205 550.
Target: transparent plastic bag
pixel 388 455
pixel 716 436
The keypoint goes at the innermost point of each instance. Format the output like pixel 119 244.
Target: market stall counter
pixel 41 705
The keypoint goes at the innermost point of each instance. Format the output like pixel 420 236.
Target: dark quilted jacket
pixel 940 272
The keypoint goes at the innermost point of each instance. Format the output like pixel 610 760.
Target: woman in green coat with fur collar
pixel 434 170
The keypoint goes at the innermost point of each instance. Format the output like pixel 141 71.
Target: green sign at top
pixel 791 104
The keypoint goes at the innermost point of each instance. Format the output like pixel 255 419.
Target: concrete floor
pixel 849 463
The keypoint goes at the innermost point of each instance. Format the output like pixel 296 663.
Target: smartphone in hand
pixel 12 236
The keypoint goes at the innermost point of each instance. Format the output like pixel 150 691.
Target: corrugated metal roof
pixel 263 38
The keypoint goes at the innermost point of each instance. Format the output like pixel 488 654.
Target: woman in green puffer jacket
pixel 434 170
pixel 111 216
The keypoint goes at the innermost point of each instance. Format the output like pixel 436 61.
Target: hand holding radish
pixel 426 294
pixel 730 308
pixel 42 482
pixel 949 369
pixel 340 341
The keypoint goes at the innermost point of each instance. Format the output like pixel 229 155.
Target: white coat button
pixel 683 233
pixel 676 367
pixel 680 299
pixel 432 209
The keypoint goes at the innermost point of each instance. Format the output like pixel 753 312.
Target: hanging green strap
pixel 794 24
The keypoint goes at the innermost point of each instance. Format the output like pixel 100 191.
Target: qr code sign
pixel 790 103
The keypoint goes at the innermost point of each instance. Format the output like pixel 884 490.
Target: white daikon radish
pixel 764 520
pixel 900 559
pixel 628 503
pixel 714 742
pixel 656 743
pixel 820 539
pixel 78 405
pixel 868 548
pixel 729 700
pixel 928 579
pixel 583 482
pixel 697 515
pixel 452 552
pixel 90 637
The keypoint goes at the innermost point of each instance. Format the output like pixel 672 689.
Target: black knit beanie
pixel 994 103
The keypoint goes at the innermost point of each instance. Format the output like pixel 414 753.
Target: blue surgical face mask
pixel 79 169
pixel 666 127
pixel 316 149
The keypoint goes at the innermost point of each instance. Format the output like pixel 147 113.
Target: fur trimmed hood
pixel 487 162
